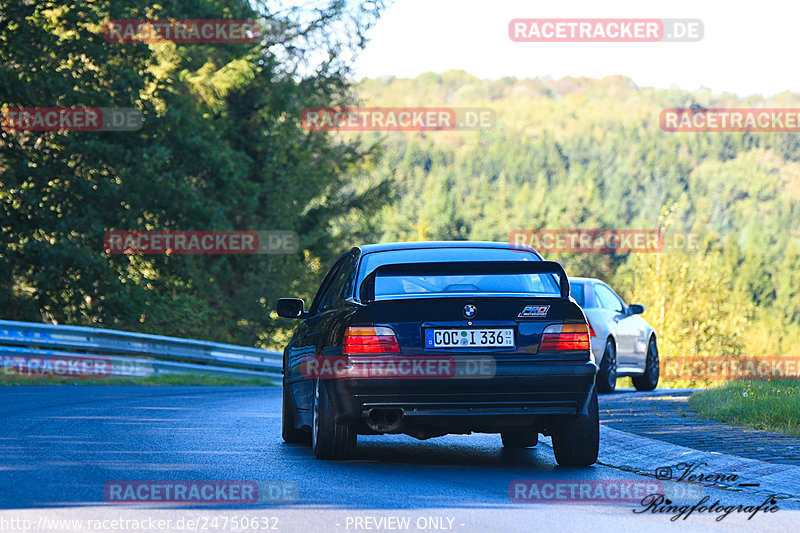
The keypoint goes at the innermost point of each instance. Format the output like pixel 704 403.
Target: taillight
pixel 564 337
pixel 361 340
pixel 591 330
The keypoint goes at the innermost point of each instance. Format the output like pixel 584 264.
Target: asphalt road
pixel 60 446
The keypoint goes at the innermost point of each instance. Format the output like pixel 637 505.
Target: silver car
pixel 623 343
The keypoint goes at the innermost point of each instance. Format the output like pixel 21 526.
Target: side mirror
pixel 635 309
pixel 291 308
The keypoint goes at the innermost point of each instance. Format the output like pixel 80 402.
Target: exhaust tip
pixel 384 420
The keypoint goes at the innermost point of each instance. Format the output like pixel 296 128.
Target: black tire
pixel 329 440
pixel 290 434
pixel 577 440
pixel 649 380
pixel 607 374
pixel 519 438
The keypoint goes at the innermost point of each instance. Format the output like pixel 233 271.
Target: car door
pixel 638 328
pixel 331 311
pixel 641 340
pixel 625 328
pixel 311 335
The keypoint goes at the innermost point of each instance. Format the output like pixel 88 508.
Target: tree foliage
pixel 589 154
pixel 222 148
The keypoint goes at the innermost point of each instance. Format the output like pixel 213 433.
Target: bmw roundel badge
pixel 470 311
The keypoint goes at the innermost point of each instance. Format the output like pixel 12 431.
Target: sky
pixel 745 50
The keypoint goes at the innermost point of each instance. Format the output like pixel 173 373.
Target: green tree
pixel 221 148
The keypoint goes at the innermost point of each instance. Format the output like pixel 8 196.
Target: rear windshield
pixel 373 260
pixel 410 286
pixel 576 291
pixel 390 287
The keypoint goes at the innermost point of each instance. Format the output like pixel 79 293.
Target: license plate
pixel 469 338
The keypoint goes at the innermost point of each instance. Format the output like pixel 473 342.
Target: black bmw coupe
pixel 433 338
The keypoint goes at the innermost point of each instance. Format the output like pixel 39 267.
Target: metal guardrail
pixel 134 354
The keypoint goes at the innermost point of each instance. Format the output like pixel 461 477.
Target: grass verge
pixel 768 405
pixel 164 379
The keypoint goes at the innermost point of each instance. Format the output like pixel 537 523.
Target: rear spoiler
pixel 367 290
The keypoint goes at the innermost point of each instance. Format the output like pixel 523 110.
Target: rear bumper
pixel 516 394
